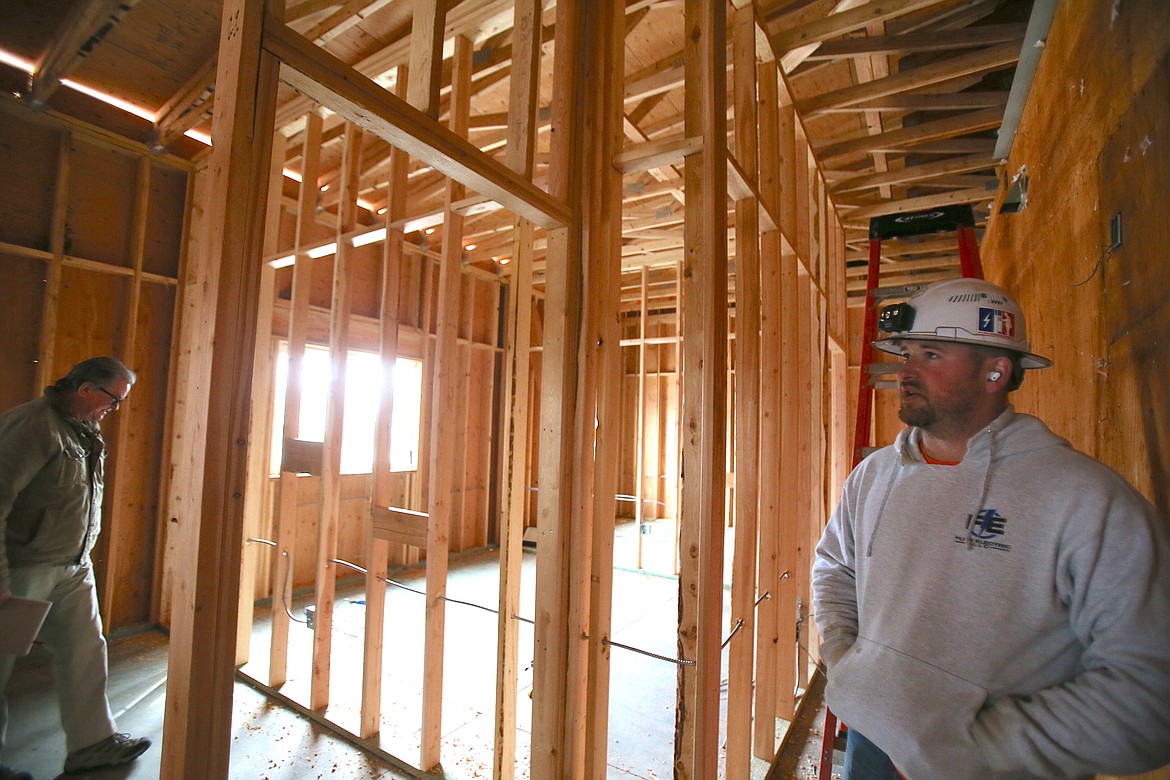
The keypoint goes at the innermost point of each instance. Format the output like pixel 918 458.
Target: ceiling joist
pixel 79 34
pixel 979 62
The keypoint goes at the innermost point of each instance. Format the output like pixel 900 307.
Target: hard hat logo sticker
pixel 997 321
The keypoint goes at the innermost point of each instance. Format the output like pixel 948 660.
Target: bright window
pixel 363 382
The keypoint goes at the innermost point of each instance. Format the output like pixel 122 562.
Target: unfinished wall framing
pixel 91 245
pixel 650 332
pixel 618 237
pixel 778 226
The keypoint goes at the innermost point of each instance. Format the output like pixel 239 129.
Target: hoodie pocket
pixel 919 714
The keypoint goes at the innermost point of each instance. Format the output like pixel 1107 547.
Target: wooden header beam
pixel 322 77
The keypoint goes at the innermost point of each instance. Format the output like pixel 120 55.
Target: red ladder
pixel 957 219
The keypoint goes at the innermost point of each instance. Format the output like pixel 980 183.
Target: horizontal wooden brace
pixel 655 154
pixel 739 187
pixel 301 456
pixel 403 526
pixel 322 77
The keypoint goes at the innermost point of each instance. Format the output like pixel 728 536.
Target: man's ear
pixel 999 373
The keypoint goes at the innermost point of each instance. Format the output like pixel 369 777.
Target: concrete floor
pixel 271 739
pixel 268 740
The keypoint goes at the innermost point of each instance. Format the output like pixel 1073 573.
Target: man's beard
pixel 920 414
pixel 919 417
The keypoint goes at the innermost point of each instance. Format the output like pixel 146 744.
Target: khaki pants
pixel 72 633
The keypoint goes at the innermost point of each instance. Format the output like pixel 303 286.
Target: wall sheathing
pixel 1093 140
pixel 90 252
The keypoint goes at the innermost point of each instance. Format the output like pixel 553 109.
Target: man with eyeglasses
pixel 51 480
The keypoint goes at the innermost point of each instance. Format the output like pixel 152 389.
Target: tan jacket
pixel 51 481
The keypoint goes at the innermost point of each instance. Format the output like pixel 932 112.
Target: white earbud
pixel 994 376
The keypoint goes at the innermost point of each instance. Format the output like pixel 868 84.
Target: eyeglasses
pixel 117 401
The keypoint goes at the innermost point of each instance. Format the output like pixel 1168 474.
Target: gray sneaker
pixel 114 750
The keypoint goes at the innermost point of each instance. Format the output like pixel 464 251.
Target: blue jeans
pixel 865 760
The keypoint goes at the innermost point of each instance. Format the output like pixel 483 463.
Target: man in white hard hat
pixel 991 602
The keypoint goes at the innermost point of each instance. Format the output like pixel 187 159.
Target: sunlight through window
pixel 363 382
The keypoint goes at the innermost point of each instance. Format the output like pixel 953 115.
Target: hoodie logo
pixel 983 529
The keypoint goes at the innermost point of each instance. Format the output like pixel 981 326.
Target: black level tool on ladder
pixel 957 219
pixel 946 219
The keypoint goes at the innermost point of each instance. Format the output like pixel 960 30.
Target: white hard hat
pixel 967 310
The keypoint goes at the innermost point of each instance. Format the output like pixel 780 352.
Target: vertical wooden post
pixel 515 497
pixel 808 406
pixel 554 505
pixel 119 477
pixel 197 724
pixel 442 455
pixel 330 507
pixel 603 342
pixel 640 437
pixel 704 391
pixel 422 92
pixel 522 104
pixel 770 503
pixel 560 363
pixel 426 55
pixel 298 335
pixel 261 428
pixel 680 319
pixel 195 318
pixel 392 277
pixel 793 429
pixel 809 470
pixel 420 481
pixel 792 167
pixel 46 371
pixel 462 514
pixel 747 410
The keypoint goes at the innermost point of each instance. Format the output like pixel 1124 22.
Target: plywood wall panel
pixel 134 525
pixel 28 167
pixel 321 288
pixel 366 274
pixel 627 467
pixel 102 186
pixel 96 305
pixel 93 317
pixel 410 308
pixel 282 284
pixel 164 221
pixel 1135 402
pixel 477 459
pixel 1098 99
pixel 20 321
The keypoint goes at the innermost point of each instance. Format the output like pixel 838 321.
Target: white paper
pixel 20 621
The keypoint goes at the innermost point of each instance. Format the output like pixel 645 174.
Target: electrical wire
pixel 608 642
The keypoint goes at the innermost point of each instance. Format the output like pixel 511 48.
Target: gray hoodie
pixel 1005 617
